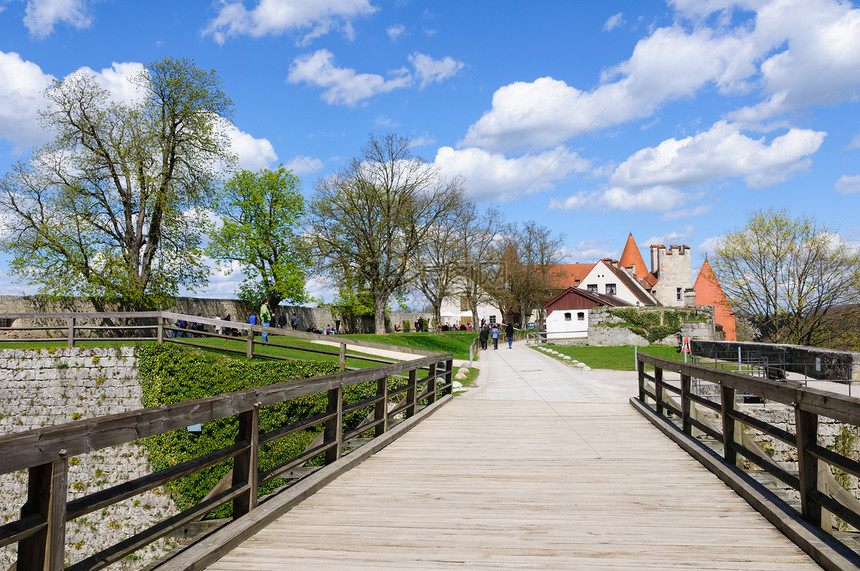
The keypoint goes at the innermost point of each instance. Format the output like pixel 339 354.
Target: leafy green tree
pixel 369 220
pixel 261 214
pixel 113 207
pixel 787 275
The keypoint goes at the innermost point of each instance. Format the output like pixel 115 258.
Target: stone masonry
pixel 42 387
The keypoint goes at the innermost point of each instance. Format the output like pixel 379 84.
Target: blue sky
pixel 671 120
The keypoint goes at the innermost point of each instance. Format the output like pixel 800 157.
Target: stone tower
pixel 672 267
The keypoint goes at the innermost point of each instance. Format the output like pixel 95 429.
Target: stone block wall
pixel 601 332
pixel 42 387
pixel 815 362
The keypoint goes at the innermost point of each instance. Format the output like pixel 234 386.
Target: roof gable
pixel 631 256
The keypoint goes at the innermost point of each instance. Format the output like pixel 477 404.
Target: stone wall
pixel 603 329
pixel 42 387
pixel 206 307
pixel 815 362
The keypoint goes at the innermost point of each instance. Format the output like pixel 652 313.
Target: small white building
pixel 567 313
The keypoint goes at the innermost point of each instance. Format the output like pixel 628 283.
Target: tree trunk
pixel 379 302
pixel 437 317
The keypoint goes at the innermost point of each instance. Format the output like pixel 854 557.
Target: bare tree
pixel 372 218
pixel 527 255
pixel 478 266
pixel 439 257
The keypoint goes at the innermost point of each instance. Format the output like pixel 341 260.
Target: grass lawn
pixel 454 342
pixel 617 358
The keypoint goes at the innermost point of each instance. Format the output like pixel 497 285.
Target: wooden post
pixel 658 391
pixel 71 332
pixel 449 377
pixel 807 464
pixel 342 356
pixel 380 409
pixel 686 403
pixel 249 351
pixel 641 369
pixel 411 393
pixel 727 404
pixel 245 470
pixel 334 426
pixel 46 496
pixel 160 321
pixel 431 384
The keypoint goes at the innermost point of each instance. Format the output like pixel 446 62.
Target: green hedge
pixel 170 374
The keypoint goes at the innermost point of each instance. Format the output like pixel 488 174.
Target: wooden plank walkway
pixel 507 479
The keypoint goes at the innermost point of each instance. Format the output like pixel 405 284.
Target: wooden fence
pixel 162 326
pixel 820 494
pixel 45 452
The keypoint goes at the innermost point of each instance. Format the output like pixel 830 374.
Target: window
pixel 464 303
pixel 678 292
pixel 610 289
pixel 492 319
pixel 580 316
pixel 592 288
pixel 567 316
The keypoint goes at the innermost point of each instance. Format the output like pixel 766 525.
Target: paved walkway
pixel 540 466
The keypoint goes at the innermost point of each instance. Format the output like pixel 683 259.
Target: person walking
pixel 484 335
pixel 265 318
pixel 294 322
pixel 495 334
pixel 509 331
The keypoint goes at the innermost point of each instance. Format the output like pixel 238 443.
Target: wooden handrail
pixel 816 492
pixel 45 452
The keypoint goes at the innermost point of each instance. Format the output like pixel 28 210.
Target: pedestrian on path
pixel 484 335
pixel 265 318
pixel 509 331
pixel 495 335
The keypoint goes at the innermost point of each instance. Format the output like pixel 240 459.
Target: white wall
pixel 557 327
pixel 601 275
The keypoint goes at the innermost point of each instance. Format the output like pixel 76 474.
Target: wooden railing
pixel 818 490
pixel 45 452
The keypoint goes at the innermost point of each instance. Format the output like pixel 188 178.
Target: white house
pixel 607 278
pixel 567 313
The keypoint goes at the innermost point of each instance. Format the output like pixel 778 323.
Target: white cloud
pixel 687 212
pixel 614 21
pixel 799 53
pixel 275 17
pixel 672 237
pixel 253 154
pixel 588 251
pixel 21 86
pixel 492 176
pixel 670 64
pixel 709 245
pixel 344 85
pixel 119 80
pixel 41 15
pixel 304 165
pixel 848 184
pixel 656 199
pixel 429 70
pixel 394 32
pixel 720 153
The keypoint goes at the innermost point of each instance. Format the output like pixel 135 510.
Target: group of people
pixel 492 331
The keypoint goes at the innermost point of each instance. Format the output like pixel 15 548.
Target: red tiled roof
pixel 569 275
pixel 709 292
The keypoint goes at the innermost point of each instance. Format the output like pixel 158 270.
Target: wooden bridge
pixel 540 465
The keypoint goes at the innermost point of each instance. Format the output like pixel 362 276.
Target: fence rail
pixel 819 493
pixel 45 452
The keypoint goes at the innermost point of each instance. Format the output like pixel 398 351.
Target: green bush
pixel 170 374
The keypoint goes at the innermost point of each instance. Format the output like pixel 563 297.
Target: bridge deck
pixel 549 468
